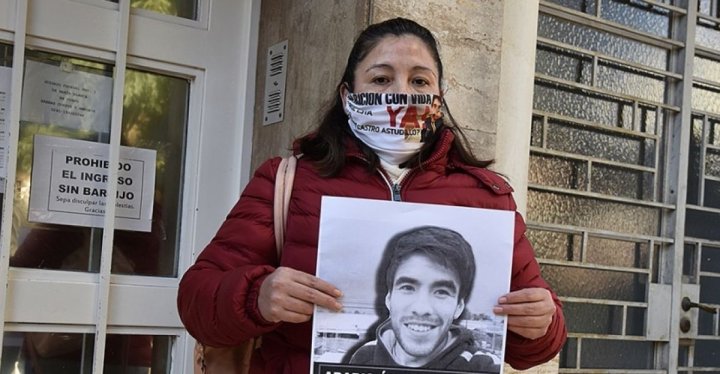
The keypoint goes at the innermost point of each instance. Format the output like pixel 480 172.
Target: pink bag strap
pixel 283 189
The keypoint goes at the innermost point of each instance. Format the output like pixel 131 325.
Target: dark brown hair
pixel 442 246
pixel 325 146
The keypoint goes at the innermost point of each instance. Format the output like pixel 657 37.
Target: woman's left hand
pixel 530 311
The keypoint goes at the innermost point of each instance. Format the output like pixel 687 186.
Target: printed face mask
pixel 394 125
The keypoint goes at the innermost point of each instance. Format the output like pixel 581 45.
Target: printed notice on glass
pixel 70 179
pixel 5 82
pixel 72 99
pixel 419 284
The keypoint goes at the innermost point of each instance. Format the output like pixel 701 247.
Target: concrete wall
pixel 469 34
pixel 320 34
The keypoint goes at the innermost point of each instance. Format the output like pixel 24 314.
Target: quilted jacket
pixel 217 298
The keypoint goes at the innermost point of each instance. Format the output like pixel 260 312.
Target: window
pixel 67 352
pixel 179 8
pixel 154 118
pixel 605 169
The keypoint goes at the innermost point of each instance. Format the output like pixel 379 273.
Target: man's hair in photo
pixel 443 246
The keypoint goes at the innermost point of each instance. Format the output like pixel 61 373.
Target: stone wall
pixel 469 36
pixel 320 34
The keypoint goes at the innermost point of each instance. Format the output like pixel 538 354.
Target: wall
pixel 469 34
pixel 320 34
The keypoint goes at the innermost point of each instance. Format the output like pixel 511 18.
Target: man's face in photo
pixel 423 302
pixel 436 108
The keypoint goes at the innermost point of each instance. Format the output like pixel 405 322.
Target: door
pixel 114 117
pixel 624 197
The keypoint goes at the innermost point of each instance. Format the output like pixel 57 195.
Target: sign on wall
pixel 66 97
pixel 70 179
pixel 275 77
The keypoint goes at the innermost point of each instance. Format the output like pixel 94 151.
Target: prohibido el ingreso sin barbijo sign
pixel 70 182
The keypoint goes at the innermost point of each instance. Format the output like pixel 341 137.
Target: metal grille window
pixel 624 194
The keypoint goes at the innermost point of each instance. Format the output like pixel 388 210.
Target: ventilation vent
pixel 275 75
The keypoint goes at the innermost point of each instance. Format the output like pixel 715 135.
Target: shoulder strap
pixel 283 188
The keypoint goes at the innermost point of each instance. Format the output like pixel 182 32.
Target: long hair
pixel 325 146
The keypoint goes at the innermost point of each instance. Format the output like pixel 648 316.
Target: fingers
pixel 305 287
pixel 519 317
pixel 525 295
pixel 290 295
pixel 282 307
pixel 530 311
pixel 309 296
pixel 529 321
pixel 538 308
pixel 531 327
pixel 287 315
pixel 526 302
pixel 317 290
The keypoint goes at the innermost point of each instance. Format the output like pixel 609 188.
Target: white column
pixel 517 71
pixel 515 104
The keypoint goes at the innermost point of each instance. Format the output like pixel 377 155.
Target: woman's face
pixel 397 64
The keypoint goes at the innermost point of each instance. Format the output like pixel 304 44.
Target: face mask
pixel 394 125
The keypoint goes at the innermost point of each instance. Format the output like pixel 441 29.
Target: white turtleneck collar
pixel 394 171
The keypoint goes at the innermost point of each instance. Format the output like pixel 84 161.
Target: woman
pixel 238 289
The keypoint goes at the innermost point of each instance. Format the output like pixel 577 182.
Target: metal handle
pixel 688 304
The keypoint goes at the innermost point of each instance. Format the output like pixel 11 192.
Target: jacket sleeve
pixel 522 353
pixel 217 296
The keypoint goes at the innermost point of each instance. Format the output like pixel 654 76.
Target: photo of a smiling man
pixel 419 283
pixel 429 273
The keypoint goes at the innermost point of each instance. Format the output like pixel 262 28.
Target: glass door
pixel 111 117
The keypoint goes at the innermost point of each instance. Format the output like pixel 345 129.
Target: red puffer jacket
pixel 217 299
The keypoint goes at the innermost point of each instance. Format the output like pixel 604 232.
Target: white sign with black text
pixel 65 97
pixel 70 180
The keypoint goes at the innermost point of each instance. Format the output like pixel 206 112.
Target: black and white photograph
pixel 419 284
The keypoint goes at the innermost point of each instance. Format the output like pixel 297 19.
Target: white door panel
pixel 7 15
pixel 51 301
pixel 85 25
pixel 139 305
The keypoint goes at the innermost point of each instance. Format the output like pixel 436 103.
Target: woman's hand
pixel 530 311
pixel 289 295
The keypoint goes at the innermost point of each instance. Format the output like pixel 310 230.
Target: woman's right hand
pixel 289 295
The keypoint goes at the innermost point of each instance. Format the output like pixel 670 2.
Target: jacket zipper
pixel 394 187
pixel 396 192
